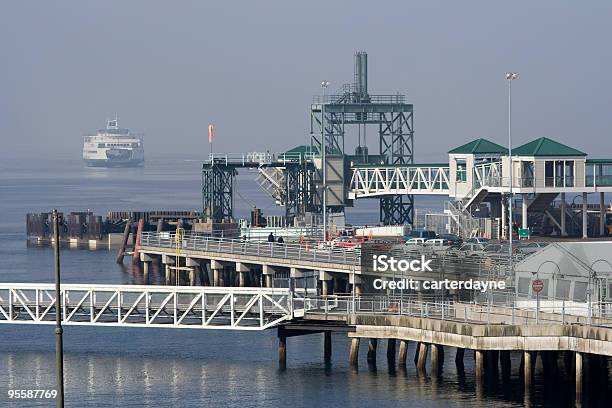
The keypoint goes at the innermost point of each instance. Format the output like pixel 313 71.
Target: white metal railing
pixel 487 313
pixel 259 158
pixel 297 252
pixel 147 306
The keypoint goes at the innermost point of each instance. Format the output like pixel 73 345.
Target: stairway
pixel 541 202
pixel 272 181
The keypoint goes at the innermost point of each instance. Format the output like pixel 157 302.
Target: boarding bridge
pixel 202 307
pixel 376 181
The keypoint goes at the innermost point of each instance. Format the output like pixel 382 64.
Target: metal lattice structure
pixel 353 105
pixel 218 191
pixel 147 306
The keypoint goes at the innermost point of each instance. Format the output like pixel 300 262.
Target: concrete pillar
pixel 391 343
pixel 437 357
pixel 585 216
pixel 217 268
pixel 192 276
pixel 282 353
pixel 422 359
pixel 242 269
pixel 579 374
pixel 355 282
pixel 372 345
pixel 529 366
pixel 268 273
pixel 167 276
pixel 479 366
pixel 325 278
pixel 403 352
pixel 563 204
pixel 504 358
pixel 504 218
pixel 459 356
pixel 145 272
pixel 327 346
pixel 354 354
pixel 524 214
pixel 602 215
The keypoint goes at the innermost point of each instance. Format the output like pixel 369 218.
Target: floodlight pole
pixel 510 76
pixel 59 342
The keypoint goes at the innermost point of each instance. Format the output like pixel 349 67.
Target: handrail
pixel 194 241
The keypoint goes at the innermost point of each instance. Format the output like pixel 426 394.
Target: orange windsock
pixel 210 133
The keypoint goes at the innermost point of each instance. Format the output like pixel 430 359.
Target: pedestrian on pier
pixel 271 238
pixel 280 240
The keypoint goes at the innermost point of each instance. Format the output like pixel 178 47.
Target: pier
pixel 492 332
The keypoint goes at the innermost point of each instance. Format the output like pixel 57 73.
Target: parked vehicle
pixel 530 248
pixel 477 240
pixel 421 233
pixel 471 249
pixel 452 239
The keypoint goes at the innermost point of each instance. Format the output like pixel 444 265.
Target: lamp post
pixel 324 85
pixel 59 343
pixel 510 76
pixel 538 293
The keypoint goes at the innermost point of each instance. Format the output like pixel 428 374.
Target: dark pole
pixel 59 344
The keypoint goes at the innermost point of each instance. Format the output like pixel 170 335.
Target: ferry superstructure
pixel 113 147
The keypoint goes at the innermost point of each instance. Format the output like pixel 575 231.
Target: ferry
pixel 113 147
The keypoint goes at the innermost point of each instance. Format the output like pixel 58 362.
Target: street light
pixel 510 76
pixel 324 85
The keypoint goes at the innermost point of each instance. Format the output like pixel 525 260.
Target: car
pixel 452 239
pixel 471 249
pixel 415 241
pixel 530 248
pixel 421 233
pixel 477 240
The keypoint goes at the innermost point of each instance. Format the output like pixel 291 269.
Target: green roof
pixel 411 165
pixel 302 149
pixel 480 146
pixel 546 147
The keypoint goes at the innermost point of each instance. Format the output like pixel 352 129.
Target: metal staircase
pixel 272 180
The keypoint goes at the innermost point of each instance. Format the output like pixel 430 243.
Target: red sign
pixel 537 285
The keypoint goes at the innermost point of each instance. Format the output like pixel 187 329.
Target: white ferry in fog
pixel 113 147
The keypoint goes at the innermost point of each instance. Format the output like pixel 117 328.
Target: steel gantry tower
pixel 353 105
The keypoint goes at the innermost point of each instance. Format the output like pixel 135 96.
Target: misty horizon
pixel 252 72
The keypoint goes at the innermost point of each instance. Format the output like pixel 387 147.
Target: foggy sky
pixel 168 69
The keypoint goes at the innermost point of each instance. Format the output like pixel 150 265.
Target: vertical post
pixel 503 219
pixel 436 358
pixel 585 216
pixel 479 368
pixel 403 352
pixel 391 352
pixel 323 160
pixel 145 272
pixel 602 215
pixel 372 344
pixel 327 346
pixel 59 342
pixel 124 241
pixel 354 354
pixel 524 213
pixel 282 352
pixel 422 359
pixel 459 356
pixel 563 228
pixel 529 363
pixel 579 367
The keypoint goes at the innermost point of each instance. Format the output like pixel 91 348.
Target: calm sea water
pixel 169 367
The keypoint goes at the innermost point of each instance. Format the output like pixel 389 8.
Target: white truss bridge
pixel 370 181
pixel 200 307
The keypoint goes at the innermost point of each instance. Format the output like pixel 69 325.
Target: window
pixel 580 291
pixel 563 289
pixel 523 286
pixel 549 174
pixel 461 170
